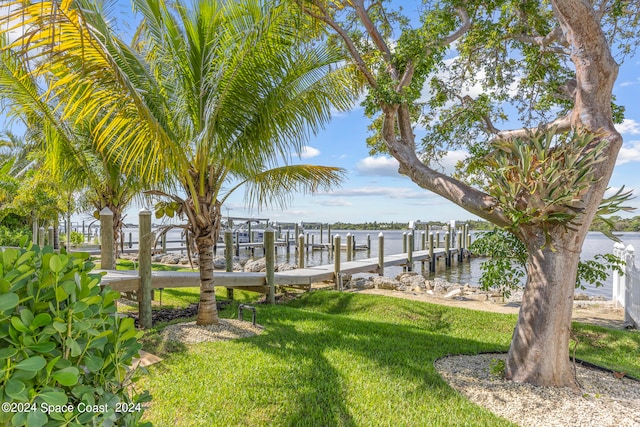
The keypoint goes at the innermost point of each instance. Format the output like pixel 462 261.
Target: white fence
pixel 626 288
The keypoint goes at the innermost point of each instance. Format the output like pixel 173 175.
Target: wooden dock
pixel 127 281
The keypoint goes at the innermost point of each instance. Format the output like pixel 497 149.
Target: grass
pixel 341 359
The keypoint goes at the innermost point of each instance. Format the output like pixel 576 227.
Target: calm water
pixel 466 272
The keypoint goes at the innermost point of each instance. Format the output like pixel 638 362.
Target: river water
pixel 466 272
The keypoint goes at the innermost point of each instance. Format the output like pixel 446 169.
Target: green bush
pixel 77 238
pixel 11 236
pixel 63 352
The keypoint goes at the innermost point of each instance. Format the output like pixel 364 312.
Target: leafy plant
pixel 77 238
pixel 62 346
pixel 497 367
pixel 11 236
pixel 506 267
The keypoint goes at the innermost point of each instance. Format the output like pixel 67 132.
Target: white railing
pixel 626 288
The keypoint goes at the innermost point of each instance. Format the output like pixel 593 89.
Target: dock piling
pixel 410 252
pixel 228 256
pixel 381 254
pixel 270 259
pixel 144 268
pixel 349 247
pixel 107 258
pixel 301 251
pixel 336 263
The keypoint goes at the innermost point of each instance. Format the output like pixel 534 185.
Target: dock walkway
pixel 127 281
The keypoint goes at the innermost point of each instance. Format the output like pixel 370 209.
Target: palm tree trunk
pixel 207 310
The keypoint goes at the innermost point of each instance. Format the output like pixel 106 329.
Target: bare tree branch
pixel 562 124
pixel 372 30
pixel 546 43
pixel 466 24
pixel 326 18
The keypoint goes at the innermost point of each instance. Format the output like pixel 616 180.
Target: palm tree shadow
pixel 321 392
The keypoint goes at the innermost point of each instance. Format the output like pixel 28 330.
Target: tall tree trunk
pixel 539 352
pixel 207 310
pixel 205 239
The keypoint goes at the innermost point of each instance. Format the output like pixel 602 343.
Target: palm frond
pixel 275 187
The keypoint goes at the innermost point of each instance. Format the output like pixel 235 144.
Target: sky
pixel 373 190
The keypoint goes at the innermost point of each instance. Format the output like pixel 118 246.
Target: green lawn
pixel 333 359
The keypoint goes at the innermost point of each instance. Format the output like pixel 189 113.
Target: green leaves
pixel 540 180
pixel 59 342
pixel 8 301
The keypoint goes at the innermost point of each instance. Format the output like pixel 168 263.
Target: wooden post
pixel 423 238
pixel 404 242
pixel 432 260
pixel 308 237
pixel 410 252
pixel 349 247
pixel 368 245
pixel 237 243
pixel 301 251
pixel 447 254
pixel 459 245
pixel 329 235
pixel 130 240
pixel 270 259
pixel 144 268
pixel 84 236
pixel 34 232
pixel 164 243
pixel 437 241
pixel 228 257
pixel 337 279
pixel 107 258
pixel 41 234
pixel 381 254
pixel 320 233
pixel 49 236
pixel 288 243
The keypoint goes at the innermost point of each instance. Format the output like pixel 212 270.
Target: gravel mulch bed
pixel 603 400
pixel 227 329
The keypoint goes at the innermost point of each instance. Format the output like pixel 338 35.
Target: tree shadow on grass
pixel 357 371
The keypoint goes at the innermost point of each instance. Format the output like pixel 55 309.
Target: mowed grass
pixel 342 359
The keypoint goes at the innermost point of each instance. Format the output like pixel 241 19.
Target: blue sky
pixel 374 191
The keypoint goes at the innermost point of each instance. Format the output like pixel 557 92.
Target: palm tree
pixel 210 97
pixel 66 153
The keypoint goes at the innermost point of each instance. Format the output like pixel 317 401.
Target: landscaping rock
pixel 454 293
pixel 440 286
pixel 284 266
pixel 381 282
pixel 412 280
pixel 256 266
pixel 171 259
pixel 361 283
pixel 219 263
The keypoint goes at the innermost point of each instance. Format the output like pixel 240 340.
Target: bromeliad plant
pixel 63 352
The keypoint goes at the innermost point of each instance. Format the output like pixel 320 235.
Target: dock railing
pixel 626 287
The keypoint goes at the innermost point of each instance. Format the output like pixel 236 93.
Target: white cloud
pixel 630 152
pixel 308 152
pixel 379 166
pixel 625 84
pixel 629 127
pixel 337 202
pixel 389 192
pixel 447 164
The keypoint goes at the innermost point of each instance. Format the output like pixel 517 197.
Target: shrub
pixel 77 238
pixel 11 236
pixel 63 351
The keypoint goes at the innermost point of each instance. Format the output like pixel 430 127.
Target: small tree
pixel 532 56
